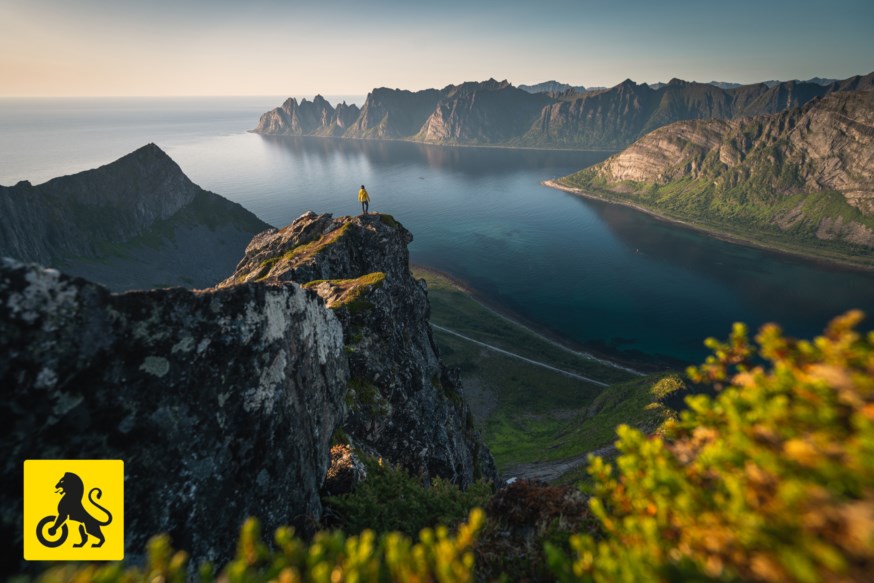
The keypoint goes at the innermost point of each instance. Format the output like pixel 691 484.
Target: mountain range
pixel 801 180
pixel 499 114
pixel 138 222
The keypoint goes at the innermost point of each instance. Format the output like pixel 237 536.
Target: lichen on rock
pixel 222 403
pixel 360 267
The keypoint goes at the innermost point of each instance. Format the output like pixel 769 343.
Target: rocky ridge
pixel 497 113
pixel 404 405
pixel 222 403
pixel 131 223
pixel 807 172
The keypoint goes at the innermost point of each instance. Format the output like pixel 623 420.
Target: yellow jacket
pixel 363 196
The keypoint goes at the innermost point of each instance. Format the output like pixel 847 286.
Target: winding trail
pixel 520 357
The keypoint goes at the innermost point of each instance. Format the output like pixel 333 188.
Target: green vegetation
pixel 454 308
pixel 528 413
pixel 297 254
pixel 771 480
pixel 349 291
pixel 768 480
pixel 759 202
pixel 329 557
pixel 364 395
pixel 388 220
pixel 392 500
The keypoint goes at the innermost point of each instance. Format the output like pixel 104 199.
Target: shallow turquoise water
pixel 602 276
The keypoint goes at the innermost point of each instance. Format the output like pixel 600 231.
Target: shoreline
pixel 714 232
pixel 531 327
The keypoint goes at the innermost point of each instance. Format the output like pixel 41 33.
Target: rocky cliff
pixel 316 118
pixel 496 113
pixel 222 403
pixel 552 87
pixel 481 113
pixel 404 405
pixel 806 174
pixel 138 222
pixel 393 113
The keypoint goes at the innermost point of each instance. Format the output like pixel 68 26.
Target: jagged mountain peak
pixel 70 219
pixel 405 405
pixel 493 112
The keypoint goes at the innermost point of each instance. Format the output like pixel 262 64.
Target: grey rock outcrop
pixel 403 403
pixel 222 403
pixel 138 222
pixel 308 118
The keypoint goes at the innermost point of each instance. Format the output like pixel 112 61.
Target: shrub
pixel 392 500
pixel 331 556
pixel 770 480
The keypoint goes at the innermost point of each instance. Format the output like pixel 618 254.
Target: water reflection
pixel 469 161
pixel 771 286
pixel 603 276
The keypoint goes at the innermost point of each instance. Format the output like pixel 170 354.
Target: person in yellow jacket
pixel 364 199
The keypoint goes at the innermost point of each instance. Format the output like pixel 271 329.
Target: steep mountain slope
pixel 496 113
pixel 801 180
pixel 316 117
pixel 223 403
pixel 482 114
pixel 136 222
pixel 404 404
pixel 393 113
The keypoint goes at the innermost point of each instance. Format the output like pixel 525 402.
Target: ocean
pixel 602 277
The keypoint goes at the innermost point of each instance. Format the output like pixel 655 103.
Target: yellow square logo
pixel 73 510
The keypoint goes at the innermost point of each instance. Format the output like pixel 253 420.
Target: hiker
pixel 364 199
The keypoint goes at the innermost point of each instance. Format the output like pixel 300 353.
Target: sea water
pixel 603 277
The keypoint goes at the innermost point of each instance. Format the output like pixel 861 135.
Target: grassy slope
pixel 742 207
pixel 527 413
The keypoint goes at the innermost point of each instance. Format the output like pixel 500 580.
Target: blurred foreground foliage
pixel 770 480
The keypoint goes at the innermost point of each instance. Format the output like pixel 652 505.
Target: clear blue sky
pixel 273 47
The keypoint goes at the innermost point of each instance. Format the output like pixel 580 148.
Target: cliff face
pixel 496 113
pixel 403 403
pixel 222 403
pixel 139 214
pixel 393 113
pixel 485 113
pixel 807 172
pixel 316 117
pixel 552 87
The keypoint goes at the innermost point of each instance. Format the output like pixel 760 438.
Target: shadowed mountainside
pixel 138 222
pixel 404 404
pixel 497 113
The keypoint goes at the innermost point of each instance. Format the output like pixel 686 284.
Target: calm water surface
pixel 604 277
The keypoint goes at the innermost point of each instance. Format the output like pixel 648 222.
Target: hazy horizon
pixel 98 48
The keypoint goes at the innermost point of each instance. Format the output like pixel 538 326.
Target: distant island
pixel 801 181
pixel 547 115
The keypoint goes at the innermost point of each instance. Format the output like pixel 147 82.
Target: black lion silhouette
pixel 70 507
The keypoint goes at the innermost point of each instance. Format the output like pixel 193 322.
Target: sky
pixel 345 47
